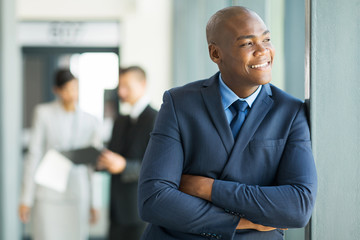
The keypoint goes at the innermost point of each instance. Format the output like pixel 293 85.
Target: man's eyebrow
pixel 251 36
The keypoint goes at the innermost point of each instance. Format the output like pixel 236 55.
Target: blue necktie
pixel 238 120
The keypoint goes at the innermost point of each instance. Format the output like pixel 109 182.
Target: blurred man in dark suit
pixel 126 149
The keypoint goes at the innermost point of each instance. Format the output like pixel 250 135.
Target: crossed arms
pixel 202 204
pixel 201 187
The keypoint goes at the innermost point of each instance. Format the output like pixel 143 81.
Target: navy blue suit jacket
pixel 267 175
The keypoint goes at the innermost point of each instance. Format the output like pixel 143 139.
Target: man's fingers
pixel 100 165
pixel 265 228
pixel 22 217
pixel 105 158
pixel 24 213
pixel 94 215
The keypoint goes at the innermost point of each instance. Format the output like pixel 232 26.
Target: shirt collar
pixel 228 96
pixel 135 110
pixel 61 107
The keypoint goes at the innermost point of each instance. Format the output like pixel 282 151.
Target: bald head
pixel 217 21
pixel 240 44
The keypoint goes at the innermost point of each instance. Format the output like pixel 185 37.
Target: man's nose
pixel 260 50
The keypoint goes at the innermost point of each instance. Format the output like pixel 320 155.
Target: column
pixel 335 117
pixel 10 122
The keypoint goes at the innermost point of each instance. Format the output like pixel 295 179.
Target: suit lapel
pixel 212 100
pixel 260 108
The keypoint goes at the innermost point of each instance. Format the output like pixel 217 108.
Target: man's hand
pixel 197 186
pixel 246 224
pixel 24 213
pixel 94 215
pixel 113 162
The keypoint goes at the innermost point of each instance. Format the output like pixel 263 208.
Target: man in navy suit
pixel 204 179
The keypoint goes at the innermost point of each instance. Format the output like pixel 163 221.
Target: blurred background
pixel 92 38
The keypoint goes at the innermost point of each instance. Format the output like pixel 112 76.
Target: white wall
pixel 73 9
pixel 147 42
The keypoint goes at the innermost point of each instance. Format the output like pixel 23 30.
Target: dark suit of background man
pixel 126 149
pixel 199 180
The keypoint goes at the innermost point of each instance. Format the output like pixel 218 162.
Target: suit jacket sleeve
pixel 160 201
pixel 132 170
pixel 289 203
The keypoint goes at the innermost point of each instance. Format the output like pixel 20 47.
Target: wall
pixel 294 45
pixel 147 42
pixel 10 122
pixel 73 9
pixel 335 117
pixel 190 50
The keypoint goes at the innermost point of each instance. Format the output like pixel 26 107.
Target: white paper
pixel 53 171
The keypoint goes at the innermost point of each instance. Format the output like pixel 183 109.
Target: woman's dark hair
pixel 63 76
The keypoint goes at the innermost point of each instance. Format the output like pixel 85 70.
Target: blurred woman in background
pixel 62 126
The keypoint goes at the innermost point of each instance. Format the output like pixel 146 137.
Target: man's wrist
pixel 206 189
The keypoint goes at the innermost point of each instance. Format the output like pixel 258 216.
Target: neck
pixel 242 91
pixel 132 103
pixel 69 107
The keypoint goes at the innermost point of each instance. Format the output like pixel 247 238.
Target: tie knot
pixel 240 105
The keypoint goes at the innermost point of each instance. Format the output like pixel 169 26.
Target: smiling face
pixel 243 51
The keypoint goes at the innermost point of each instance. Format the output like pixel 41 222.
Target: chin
pixel 262 81
pixel 266 81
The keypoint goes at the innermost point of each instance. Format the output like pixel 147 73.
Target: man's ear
pixel 214 53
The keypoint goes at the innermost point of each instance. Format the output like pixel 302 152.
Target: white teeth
pixel 259 65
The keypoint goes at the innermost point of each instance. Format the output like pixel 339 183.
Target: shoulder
pixel 148 115
pixel 193 88
pixel 46 106
pixel 185 97
pixel 44 109
pixel 88 118
pixel 150 111
pixel 87 115
pixel 284 98
pixel 120 120
pixel 287 104
pixel 190 88
pixel 189 96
